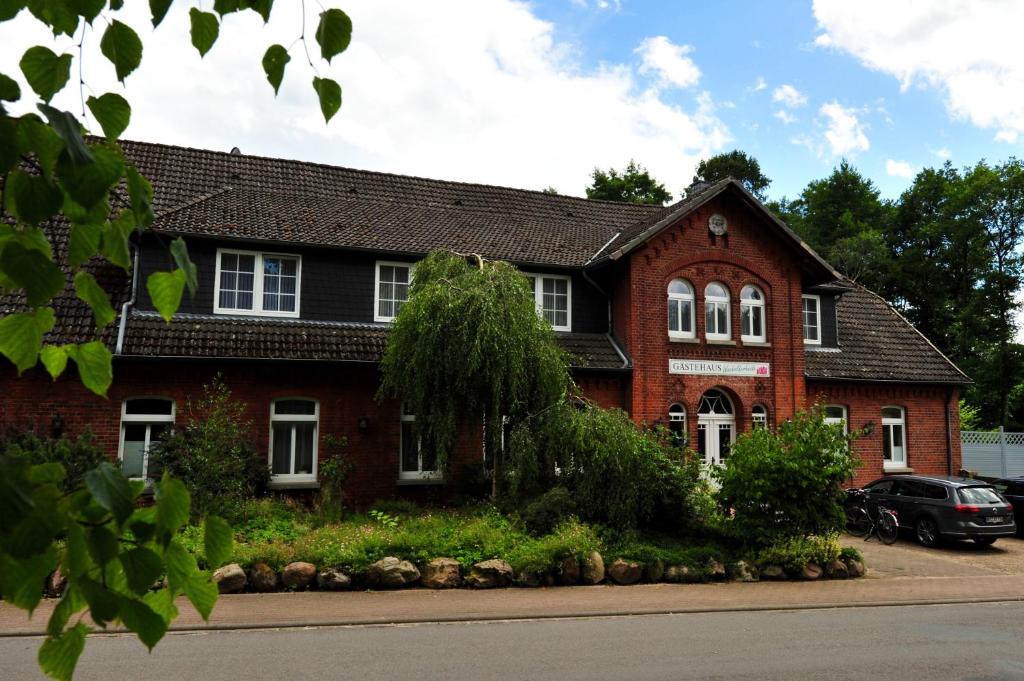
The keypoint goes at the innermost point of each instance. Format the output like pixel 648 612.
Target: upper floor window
pixel 680 309
pixel 894 437
pixel 415 462
pixel 716 312
pixel 392 290
pixel 759 416
pixel 752 317
pixel 293 439
pixel 812 319
pixel 553 297
pixel 144 422
pixel 257 283
pixel 835 415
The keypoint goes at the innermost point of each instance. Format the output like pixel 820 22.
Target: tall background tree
pixel 737 165
pixel 632 185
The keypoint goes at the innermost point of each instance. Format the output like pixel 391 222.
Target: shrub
pixel 334 470
pixel 214 455
pixel 794 553
pixel 543 514
pixel 850 553
pixel 787 483
pixel 546 553
pixel 78 456
pixel 618 474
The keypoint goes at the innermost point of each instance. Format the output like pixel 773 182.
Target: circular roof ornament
pixel 717 224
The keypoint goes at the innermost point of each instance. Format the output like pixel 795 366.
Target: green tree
pixel 73 202
pixel 469 345
pixel 633 185
pixel 737 165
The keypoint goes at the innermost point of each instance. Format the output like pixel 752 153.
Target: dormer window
pixel 252 282
pixel 552 295
pixel 812 319
pixel 392 290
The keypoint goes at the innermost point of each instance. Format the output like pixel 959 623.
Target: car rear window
pixel 979 495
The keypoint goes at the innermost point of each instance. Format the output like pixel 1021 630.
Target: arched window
pixel 677 422
pixel 680 309
pixel 293 439
pixel 752 317
pixel 716 311
pixel 894 437
pixel 144 422
pixel 759 416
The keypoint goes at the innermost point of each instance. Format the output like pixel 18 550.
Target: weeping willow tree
pixel 469 345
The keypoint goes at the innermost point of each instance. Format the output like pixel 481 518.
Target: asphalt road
pixel 979 642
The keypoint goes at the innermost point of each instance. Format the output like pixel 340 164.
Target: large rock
pixel 837 570
pixel 530 577
pixel 263 578
pixel 489 574
pixel 230 578
pixel 442 573
pixel 298 575
pixel 716 571
pixel 811 571
pixel 773 572
pixel 624 572
pixel 681 574
pixel 56 584
pixel 569 573
pixel 391 573
pixel 744 572
pixel 592 569
pixel 654 570
pixel 855 568
pixel 333 579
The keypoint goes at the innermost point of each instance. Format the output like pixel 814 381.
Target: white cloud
pixel 668 62
pixel 899 169
pixel 615 5
pixel 968 50
pixel 944 153
pixel 475 90
pixel 760 84
pixel 844 132
pixel 785 116
pixel 789 96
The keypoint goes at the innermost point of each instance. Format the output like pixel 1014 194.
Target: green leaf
pixel 162 603
pixel 31 270
pixel 88 9
pixel 261 7
pixel 158 8
pixel 89 290
pixel 112 112
pixel 103 603
pixel 111 490
pixel 165 289
pixel 10 8
pixel 31 198
pixel 173 504
pixel 47 474
pixel 94 215
pixel 70 603
pixel 55 359
pixel 94 366
pixel 140 618
pixel 329 93
pixel 181 565
pixel 223 7
pixel 122 47
pixel 142 568
pixel 46 72
pixel 274 60
pixel 69 129
pixel 10 92
pixel 179 251
pixel 205 29
pixel 84 243
pixel 114 245
pixel 334 33
pixel 59 15
pixel 218 541
pixel 41 139
pixel 89 183
pixel 22 579
pixel 140 192
pixel 102 543
pixel 59 654
pixel 143 523
pixel 21 336
pixel 202 593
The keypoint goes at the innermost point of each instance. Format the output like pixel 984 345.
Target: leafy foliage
pixel 632 185
pixel 547 511
pixel 111 552
pixel 213 454
pixel 77 456
pixel 787 483
pixel 793 553
pixel 737 165
pixel 333 472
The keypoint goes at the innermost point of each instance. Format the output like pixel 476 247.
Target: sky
pixel 538 94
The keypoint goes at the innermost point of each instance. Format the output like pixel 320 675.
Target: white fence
pixel 993 453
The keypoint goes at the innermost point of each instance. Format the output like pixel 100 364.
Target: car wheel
pixel 927 531
pixel 985 541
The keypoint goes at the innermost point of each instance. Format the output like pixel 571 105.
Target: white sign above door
pixel 704 367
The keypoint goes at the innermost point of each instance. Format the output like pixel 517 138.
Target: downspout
pixel 949 432
pixel 128 303
pixel 611 338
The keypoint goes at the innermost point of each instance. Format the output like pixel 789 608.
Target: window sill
pixel 681 339
pixel 714 341
pixel 897 469
pixel 756 344
pixel 294 484
pixel 417 482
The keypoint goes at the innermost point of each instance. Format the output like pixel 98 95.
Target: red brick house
pixel 708 315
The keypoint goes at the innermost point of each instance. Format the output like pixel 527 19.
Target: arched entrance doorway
pixel 716 427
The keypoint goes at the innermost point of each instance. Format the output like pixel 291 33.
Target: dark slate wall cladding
pixel 829 337
pixel 589 307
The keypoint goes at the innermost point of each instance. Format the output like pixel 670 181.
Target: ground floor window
pixel 677 423
pixel 894 437
pixel 293 439
pixel 416 462
pixel 835 415
pixel 759 416
pixel 144 422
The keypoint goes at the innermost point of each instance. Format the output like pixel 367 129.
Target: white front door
pixel 715 435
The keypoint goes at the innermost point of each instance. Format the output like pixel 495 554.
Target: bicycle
pixel 860 523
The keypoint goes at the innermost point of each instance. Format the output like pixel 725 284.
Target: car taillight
pixel 1009 508
pixel 967 508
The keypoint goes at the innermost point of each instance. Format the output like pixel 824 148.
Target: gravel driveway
pixel 906 558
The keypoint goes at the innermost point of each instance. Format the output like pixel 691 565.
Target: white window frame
pixel 759 416
pixel 677 414
pixel 817 317
pixel 901 423
pixel 683 298
pixel 294 418
pixel 538 296
pixel 756 307
pixel 377 316
pixel 837 421
pixel 418 474
pixel 718 300
pixel 257 284
pixel 149 420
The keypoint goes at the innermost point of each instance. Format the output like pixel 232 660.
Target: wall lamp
pixel 869 428
pixel 57 426
pixel 363 425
